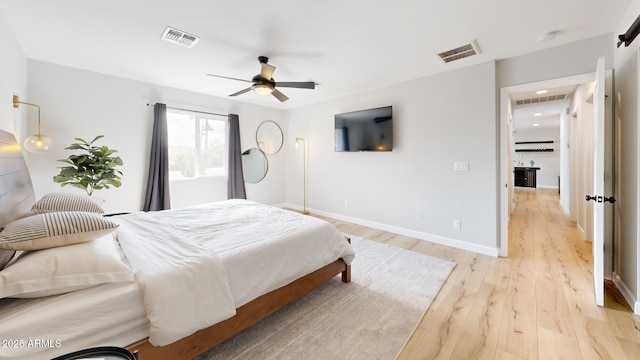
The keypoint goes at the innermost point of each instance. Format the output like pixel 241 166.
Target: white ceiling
pixel 540 114
pixel 524 118
pixel 345 46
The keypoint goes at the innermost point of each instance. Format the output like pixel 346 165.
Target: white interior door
pixel 602 184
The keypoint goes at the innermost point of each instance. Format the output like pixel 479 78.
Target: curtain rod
pixel 195 111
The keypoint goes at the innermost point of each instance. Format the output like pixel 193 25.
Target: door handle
pixel 600 199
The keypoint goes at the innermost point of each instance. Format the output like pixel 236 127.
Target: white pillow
pixel 64 269
pixel 54 202
pixel 54 229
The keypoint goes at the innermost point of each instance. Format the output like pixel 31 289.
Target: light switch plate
pixel 461 166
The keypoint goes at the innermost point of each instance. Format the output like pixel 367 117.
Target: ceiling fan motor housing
pixel 259 80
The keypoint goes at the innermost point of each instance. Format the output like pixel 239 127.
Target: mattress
pixel 55 325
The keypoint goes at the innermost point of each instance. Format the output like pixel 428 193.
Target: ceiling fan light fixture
pixel 263 89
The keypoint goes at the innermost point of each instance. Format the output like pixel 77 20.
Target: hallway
pixel 551 259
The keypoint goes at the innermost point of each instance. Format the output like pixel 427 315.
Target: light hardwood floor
pixel 536 304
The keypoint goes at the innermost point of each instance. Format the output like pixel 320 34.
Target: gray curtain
pixel 235 182
pixel 157 196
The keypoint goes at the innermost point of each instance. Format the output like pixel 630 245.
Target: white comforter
pixel 196 265
pixel 184 286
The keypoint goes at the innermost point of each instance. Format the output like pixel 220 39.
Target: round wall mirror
pixel 269 137
pixel 254 165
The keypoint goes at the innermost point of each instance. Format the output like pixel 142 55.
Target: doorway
pixel 572 190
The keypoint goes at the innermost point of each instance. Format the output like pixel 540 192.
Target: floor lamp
pixel 304 173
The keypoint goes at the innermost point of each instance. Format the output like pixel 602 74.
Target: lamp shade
pixel 38 144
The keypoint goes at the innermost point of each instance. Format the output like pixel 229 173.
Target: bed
pixel 264 258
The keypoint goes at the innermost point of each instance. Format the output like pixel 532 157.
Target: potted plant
pixel 93 169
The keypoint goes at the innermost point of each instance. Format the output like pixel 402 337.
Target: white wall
pixel 627 237
pixel 561 61
pixel 548 162
pixel 79 103
pixel 13 72
pixel 413 189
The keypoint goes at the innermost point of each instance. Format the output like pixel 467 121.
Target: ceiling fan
pixel 265 84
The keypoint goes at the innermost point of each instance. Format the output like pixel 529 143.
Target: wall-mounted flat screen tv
pixel 364 130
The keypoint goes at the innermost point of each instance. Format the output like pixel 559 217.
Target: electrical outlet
pixel 457 224
pixel 346 204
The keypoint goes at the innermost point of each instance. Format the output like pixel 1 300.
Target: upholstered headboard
pixel 16 190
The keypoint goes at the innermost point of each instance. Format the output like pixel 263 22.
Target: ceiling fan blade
pixel 267 71
pixel 280 96
pixel 242 91
pixel 230 78
pixel 297 84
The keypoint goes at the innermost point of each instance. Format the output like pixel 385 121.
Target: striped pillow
pixel 67 202
pixel 55 229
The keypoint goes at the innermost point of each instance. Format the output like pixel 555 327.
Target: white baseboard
pixel 485 250
pixel 581 230
pixel 626 293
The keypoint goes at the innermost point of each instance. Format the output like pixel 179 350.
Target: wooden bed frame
pixel 17 197
pixel 247 315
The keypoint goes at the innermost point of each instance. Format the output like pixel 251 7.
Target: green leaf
pixel 96 138
pixel 76 147
pixel 67 161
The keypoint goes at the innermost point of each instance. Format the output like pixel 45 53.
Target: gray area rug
pixel 370 318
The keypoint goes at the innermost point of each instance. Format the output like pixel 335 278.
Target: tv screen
pixel 364 130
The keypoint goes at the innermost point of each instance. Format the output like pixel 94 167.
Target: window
pixel 197 145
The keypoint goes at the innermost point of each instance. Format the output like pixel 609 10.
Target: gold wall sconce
pixel 37 144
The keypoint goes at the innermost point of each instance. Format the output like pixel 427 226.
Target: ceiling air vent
pixel 179 37
pixel 541 99
pixel 460 52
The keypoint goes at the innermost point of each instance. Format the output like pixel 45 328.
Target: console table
pixel 525 176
